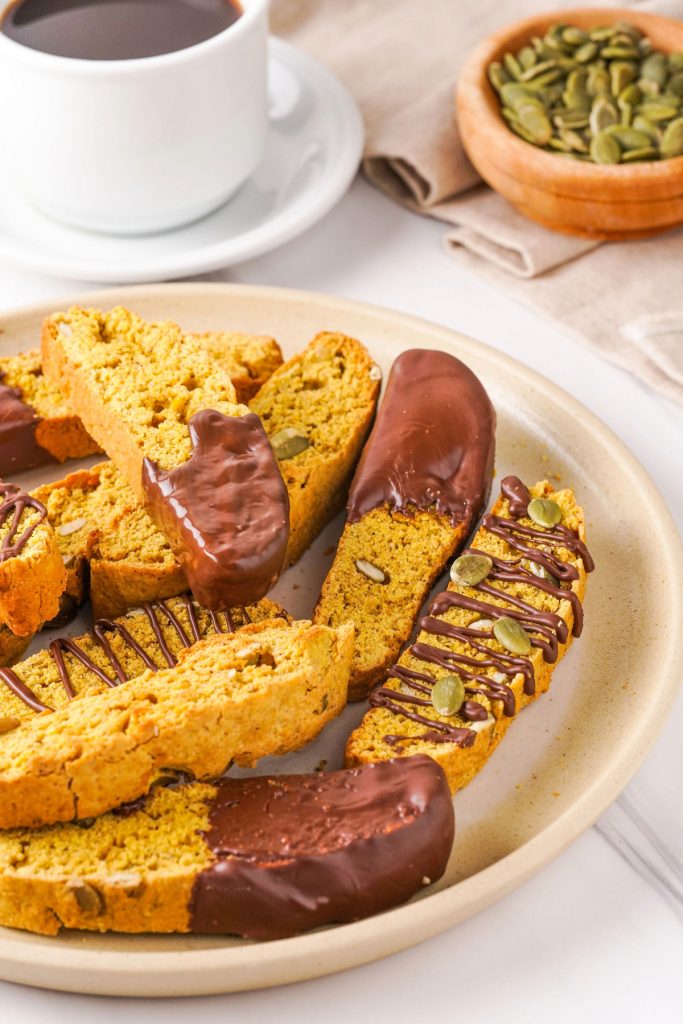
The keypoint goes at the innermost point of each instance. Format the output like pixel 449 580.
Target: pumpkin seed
pixel 371 571
pixel 87 897
pixel 534 70
pixel 603 114
pixel 536 123
pixel 527 57
pixel 469 570
pixel 448 695
pixel 287 443
pixel 621 74
pixel 604 149
pixel 642 124
pixel 676 61
pixel 619 52
pixel 597 82
pixel 657 112
pixel 573 140
pixel 512 636
pixel 584 54
pixel 545 511
pixel 512 66
pixel 66 529
pixel 574 36
pixel 675 85
pixel 497 75
pixel 672 139
pixel 481 625
pixel 540 570
pixel 629 138
pixel 632 156
pixel 656 68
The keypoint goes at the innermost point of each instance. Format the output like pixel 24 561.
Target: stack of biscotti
pixel 38 425
pixel 264 858
pixel 32 576
pixel 489 643
pixel 316 410
pixel 199 461
pixel 264 689
pixel 420 487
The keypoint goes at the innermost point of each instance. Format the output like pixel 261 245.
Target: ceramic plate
pixel 312 154
pixel 562 762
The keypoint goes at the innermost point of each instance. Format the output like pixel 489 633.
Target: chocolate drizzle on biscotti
pixel 296 852
pixel 225 511
pixel 13 503
pixel 19 448
pixel 156 612
pixel 546 629
pixel 432 445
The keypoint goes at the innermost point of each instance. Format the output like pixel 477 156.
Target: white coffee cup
pixel 137 146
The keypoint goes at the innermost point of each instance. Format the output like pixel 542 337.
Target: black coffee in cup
pixel 116 29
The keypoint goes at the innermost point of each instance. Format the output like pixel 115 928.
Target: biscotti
pixel 115 651
pixel 317 410
pixel 266 690
pixel 421 484
pixel 168 418
pixel 263 857
pixel 487 646
pixel 32 576
pixel 38 427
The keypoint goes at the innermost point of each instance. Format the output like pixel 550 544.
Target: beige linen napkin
pixel 401 58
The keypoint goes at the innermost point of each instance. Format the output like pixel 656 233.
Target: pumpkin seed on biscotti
pixel 448 695
pixel 544 512
pixel 540 570
pixel 373 572
pixel 469 570
pixel 287 443
pixel 512 636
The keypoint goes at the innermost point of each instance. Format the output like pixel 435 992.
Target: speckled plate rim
pixel 247 966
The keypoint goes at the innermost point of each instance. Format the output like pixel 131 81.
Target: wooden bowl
pixel 593 200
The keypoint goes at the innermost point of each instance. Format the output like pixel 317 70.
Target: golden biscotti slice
pixel 249 359
pixel 199 462
pixel 260 857
pixel 32 576
pixel 266 690
pixel 490 642
pixel 317 410
pixel 420 486
pixel 115 651
pixel 37 426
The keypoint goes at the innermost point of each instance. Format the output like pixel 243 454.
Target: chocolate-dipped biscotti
pixel 38 426
pixel 420 486
pixel 168 418
pixel 230 697
pixel 264 858
pixel 32 576
pixel 490 642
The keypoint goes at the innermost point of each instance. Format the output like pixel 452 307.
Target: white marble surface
pixel 597 935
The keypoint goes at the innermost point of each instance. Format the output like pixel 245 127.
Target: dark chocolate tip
pixel 433 442
pixel 296 852
pixel 19 449
pixel 225 511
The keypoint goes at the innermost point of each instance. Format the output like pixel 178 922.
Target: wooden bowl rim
pixel 474 89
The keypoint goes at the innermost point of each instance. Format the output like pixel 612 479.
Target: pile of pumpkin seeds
pixel 603 95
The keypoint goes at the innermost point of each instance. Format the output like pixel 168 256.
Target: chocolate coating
pixel 299 851
pixel 19 449
pixel 432 444
pixel 225 511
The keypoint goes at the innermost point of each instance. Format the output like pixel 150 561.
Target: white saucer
pixel 312 155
